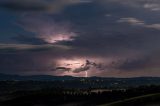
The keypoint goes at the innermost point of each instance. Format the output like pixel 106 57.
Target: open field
pixel 146 100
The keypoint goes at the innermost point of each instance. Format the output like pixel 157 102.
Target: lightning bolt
pixel 86 74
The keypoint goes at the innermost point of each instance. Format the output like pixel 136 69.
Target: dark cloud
pixel 25 5
pixel 116 37
pixel 81 69
pixel 102 34
pixel 131 64
pixel 20 58
pixel 16 48
pixel 143 64
pixel 23 62
pixel 52 6
pixel 62 69
pixel 24 39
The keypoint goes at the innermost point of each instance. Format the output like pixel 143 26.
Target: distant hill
pixel 4 77
pixel 97 81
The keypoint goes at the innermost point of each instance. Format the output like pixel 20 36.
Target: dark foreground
pixel 37 93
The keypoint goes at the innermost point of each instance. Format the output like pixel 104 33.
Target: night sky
pixel 108 38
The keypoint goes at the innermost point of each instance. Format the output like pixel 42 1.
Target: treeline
pixel 57 96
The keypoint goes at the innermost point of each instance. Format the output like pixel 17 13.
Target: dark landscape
pixel 79 52
pixel 47 90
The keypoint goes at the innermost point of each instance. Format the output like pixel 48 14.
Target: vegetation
pixel 49 93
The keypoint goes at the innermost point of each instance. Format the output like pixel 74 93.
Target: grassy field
pixel 146 100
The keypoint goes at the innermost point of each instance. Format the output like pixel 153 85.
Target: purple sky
pixel 109 38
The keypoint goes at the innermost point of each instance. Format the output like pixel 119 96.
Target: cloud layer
pixel 112 38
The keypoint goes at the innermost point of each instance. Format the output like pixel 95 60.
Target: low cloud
pixel 152 5
pixel 87 66
pixel 25 58
pixel 132 21
pixel 27 47
pixel 137 22
pixel 25 39
pixel 52 6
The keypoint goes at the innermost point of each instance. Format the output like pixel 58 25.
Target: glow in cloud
pixel 58 37
pixel 48 30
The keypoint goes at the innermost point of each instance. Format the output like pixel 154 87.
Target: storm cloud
pixel 114 38
pixel 52 6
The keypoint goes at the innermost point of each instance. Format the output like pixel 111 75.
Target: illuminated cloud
pixel 79 65
pixel 153 7
pixel 48 30
pixel 58 37
pixel 112 38
pixel 134 21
